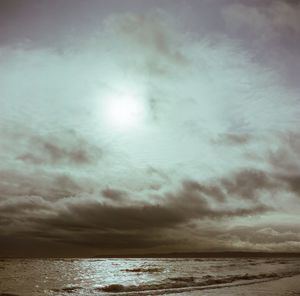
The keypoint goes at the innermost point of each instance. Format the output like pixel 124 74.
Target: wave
pixel 184 284
pixel 66 289
pixel 154 269
pixel 187 279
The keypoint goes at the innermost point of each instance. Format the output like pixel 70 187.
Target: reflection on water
pixel 147 276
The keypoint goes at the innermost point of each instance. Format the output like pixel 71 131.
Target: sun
pixel 124 111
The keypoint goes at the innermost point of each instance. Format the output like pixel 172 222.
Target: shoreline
pixel 289 285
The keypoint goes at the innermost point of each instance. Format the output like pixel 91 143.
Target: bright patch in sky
pixel 124 111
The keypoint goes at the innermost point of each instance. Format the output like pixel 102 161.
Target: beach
pixel 289 286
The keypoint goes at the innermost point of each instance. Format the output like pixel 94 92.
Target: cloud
pixel 150 33
pixel 91 221
pixel 113 221
pixel 114 194
pixel 269 28
pixel 249 184
pixel 267 20
pixel 37 163
pixel 293 182
pixel 233 139
pixel 212 191
pixel 49 185
pixel 284 161
pixel 69 149
pixel 264 237
pixel 269 235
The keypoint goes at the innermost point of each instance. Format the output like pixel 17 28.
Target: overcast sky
pixel 137 126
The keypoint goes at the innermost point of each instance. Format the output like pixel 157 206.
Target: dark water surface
pixel 193 276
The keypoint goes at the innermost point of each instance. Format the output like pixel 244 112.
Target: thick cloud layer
pixel 211 163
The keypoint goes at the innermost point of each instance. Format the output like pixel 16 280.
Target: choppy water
pixel 139 276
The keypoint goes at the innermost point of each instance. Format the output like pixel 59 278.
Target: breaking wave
pixel 155 269
pixel 184 284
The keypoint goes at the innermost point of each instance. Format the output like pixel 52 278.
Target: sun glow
pixel 124 111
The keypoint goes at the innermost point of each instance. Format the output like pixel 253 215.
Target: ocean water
pixel 192 276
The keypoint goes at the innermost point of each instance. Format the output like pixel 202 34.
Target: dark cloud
pixel 284 161
pixel 284 158
pixel 293 183
pixel 49 185
pixel 96 223
pixel 91 222
pixel 212 191
pixel 249 184
pixel 43 164
pixel 114 194
pixel 69 149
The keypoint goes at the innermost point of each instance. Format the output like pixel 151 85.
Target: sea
pixel 146 276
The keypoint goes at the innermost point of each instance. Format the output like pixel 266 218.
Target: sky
pixel 134 126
